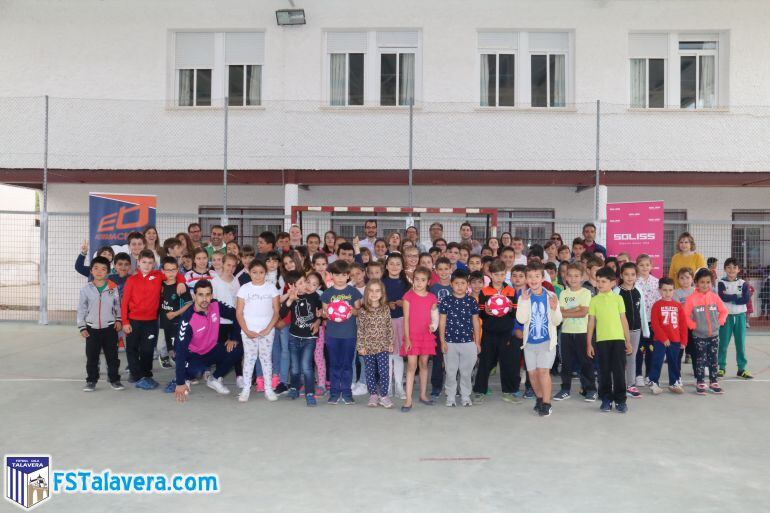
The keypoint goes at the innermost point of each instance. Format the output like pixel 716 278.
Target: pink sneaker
pixel 373 401
pixel 275 381
pixel 385 402
pixel 260 384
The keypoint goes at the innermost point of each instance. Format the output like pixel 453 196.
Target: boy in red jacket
pixel 669 328
pixel 139 309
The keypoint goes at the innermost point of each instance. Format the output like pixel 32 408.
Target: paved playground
pixel 668 454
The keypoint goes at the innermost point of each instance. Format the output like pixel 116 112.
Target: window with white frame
pixel 548 68
pixel 648 70
pixel 211 65
pixel 497 65
pixel 398 62
pixel 697 74
pixel 347 52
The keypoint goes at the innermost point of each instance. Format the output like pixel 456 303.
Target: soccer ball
pixel 339 311
pixel 498 305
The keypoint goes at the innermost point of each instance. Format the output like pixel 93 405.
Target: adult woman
pixel 330 238
pixel 685 257
pixel 505 239
pixel 295 236
pixel 394 242
pixel 151 237
pixel 494 245
pixel 187 243
pixel 556 237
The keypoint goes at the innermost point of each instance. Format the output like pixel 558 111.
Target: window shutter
pixel 194 50
pixel 654 46
pixel 346 42
pixel 245 47
pixel 498 40
pixel 548 41
pixel 397 39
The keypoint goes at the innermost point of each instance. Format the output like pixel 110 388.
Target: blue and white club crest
pixel 27 480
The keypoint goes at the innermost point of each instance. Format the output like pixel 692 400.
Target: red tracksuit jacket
pixel 669 322
pixel 141 296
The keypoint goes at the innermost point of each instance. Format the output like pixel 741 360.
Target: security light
pixel 290 16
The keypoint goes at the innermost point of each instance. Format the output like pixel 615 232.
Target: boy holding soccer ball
pixel 340 305
pixel 497 305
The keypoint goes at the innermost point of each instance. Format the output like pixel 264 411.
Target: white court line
pixel 554 385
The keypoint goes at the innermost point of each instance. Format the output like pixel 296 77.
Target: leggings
pixel 396 360
pixel 257 348
pixel 320 361
pixel 706 356
pixel 377 373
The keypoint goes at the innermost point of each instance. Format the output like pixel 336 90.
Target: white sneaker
pixel 216 384
pixel 244 395
pixel 647 382
pixel 188 383
pixel 359 389
pixel 400 393
pixel 639 382
pixel 270 395
pixel 656 389
pixel 239 382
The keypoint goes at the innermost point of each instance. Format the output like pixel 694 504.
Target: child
pixel 375 270
pixel 257 309
pixel 121 271
pixel 242 271
pixel 420 322
pixel 139 311
pixel 538 311
pixel 578 247
pixel 550 268
pixel 358 277
pixel 441 288
pixel 519 258
pixel 670 335
pixel 313 242
pixel 564 254
pixel 476 283
pixel 591 267
pixel 341 336
pixel 225 290
pixel 460 334
pixel 474 263
pixel 411 260
pixel 305 307
pixel 648 285
pixel 315 285
pixel 453 254
pixel 200 269
pixel 396 285
pixel 216 263
pixel 497 340
pixel 185 263
pixel 574 302
pixel 734 293
pixel 375 343
pixel 705 313
pixel 638 325
pixel 622 258
pixel 320 265
pixel 277 265
pixel 80 266
pixel 99 323
pixel 685 288
pixel 607 315
pixel 172 305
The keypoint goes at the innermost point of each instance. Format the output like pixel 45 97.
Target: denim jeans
pixel 301 351
pixel 341 353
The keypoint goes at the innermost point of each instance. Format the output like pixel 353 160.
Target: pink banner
pixel 636 228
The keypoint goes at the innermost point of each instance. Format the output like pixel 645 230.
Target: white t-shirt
pixel 258 304
pixel 225 293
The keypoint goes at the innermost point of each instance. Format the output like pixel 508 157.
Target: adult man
pixel 590 244
pixel 194 231
pixel 370 229
pixel 466 237
pixel 216 242
pixel 436 232
pixel 411 235
pixel 345 253
pixel 231 233
pixel 197 347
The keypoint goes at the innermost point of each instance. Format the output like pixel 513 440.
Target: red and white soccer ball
pixel 339 311
pixel 498 305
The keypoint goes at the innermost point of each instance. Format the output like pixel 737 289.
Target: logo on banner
pixel 126 218
pixel 27 480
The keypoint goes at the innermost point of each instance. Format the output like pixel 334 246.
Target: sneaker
pixel 434 396
pixel 518 394
pixel 217 386
pixel 281 389
pixel 561 395
pixel 545 410
pixel 90 386
pixel 386 402
pixel 676 389
pixel 171 387
pixel 373 401
pixel 647 381
pixel 701 389
pixel 478 398
pixel 590 397
pixel 270 395
pixel 510 398
pixel 359 389
pixel 529 394
pixel 538 404
pixel 275 381
pixel 656 390
pixel 260 384
pixel 348 399
pixel 721 373
pixel 639 381
pixel 320 391
pixel 117 385
pixel 633 392
pixel 401 394
pixel 244 395
pixel 745 374
pixel 715 388
pixel 687 359
pixel 239 381
pixel 293 393
pixel 310 400
pixel 165 362
pixel 153 384
pixel 606 405
pixel 467 403
pixel 144 384
pixel 334 399
pixel 489 391
pixel 132 379
pixel 621 407
pixel 450 403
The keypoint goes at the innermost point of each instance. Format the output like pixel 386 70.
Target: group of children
pixel 305 308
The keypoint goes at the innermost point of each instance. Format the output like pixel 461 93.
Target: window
pixel 249 221
pixel 527 225
pixel 213 65
pixel 548 81
pixel 347 79
pixel 497 79
pixel 698 74
pixel 397 78
pixel 674 224
pixel 648 83
pixel 751 242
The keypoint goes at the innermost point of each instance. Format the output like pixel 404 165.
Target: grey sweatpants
pixel 634 335
pixel 462 357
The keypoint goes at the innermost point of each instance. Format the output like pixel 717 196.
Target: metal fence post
pixel 411 146
pixel 225 221
pixel 596 184
pixel 43 269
